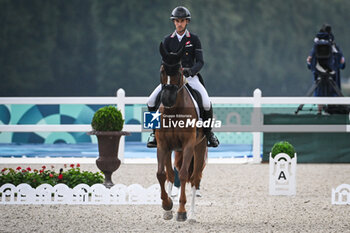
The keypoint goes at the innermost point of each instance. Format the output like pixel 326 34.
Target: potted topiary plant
pixel 107 124
pixel 283 147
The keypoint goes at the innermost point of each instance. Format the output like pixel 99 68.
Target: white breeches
pixel 194 83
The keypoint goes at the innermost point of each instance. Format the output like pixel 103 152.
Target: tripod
pixel 325 79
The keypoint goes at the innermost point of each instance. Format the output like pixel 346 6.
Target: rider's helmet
pixel 180 12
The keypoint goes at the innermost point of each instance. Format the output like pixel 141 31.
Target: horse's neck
pixel 183 98
pixel 182 102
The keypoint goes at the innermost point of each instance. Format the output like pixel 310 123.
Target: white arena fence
pixel 121 100
pixel 82 194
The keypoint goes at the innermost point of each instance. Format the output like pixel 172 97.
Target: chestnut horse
pixel 189 143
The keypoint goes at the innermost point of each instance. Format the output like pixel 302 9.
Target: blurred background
pixel 92 48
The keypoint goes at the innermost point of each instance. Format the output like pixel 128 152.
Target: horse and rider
pixel 182 59
pixel 192 62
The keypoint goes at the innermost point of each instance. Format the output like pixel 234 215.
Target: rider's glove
pixel 187 72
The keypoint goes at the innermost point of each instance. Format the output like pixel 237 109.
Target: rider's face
pixel 180 25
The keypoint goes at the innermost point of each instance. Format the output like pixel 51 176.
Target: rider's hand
pixel 308 59
pixel 187 72
pixel 342 61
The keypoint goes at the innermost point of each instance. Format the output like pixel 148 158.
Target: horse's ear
pixel 162 50
pixel 181 52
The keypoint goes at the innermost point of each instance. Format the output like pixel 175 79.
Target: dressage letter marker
pixel 341 195
pixel 282 174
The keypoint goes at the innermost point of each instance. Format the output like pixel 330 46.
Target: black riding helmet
pixel 180 12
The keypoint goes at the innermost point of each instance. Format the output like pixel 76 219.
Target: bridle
pixel 172 66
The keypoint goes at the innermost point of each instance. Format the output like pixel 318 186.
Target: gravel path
pixel 235 199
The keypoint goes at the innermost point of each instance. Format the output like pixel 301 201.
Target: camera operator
pixel 327 59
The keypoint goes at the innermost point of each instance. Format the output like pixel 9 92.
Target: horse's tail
pixel 178 164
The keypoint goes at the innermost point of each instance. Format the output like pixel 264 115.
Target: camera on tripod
pixel 324 61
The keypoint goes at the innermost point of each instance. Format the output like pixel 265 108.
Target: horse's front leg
pixel 170 174
pixel 167 203
pixel 184 176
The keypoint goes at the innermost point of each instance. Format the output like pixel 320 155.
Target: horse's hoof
pixel 181 216
pixel 192 220
pixel 168 207
pixel 168 215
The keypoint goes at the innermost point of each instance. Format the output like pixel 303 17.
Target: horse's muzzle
pixel 168 95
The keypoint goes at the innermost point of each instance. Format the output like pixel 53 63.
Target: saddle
pixel 198 98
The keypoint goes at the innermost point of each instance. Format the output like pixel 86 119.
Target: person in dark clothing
pixel 192 62
pixel 332 65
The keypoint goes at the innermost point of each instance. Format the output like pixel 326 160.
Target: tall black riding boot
pixel 212 139
pixel 152 142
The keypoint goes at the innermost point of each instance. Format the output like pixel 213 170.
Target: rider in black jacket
pixel 192 62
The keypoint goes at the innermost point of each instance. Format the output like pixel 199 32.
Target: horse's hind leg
pixel 199 163
pixel 167 203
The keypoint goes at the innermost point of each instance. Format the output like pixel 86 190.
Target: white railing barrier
pixel 82 194
pixel 121 100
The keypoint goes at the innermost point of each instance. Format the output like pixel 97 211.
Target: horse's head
pixel 171 76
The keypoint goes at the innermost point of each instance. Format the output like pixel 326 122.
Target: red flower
pixel 18 168
pixel 78 165
pixel 60 176
pixel 29 169
pixel 23 170
pixel 44 167
pixel 72 165
pixel 36 170
pixel 51 175
pixel 41 171
pixel 3 169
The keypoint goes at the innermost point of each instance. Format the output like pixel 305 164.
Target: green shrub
pixel 282 147
pixel 108 118
pixel 34 178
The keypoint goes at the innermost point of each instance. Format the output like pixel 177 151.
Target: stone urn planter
pixel 107 124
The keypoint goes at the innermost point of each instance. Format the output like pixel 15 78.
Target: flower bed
pixel 69 186
pixel 71 177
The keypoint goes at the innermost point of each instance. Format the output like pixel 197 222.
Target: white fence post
pixel 121 107
pixel 257 123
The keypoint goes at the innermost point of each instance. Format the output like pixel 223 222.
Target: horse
pixel 188 143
